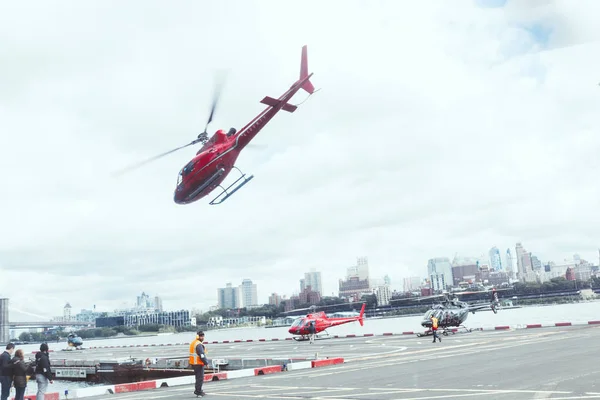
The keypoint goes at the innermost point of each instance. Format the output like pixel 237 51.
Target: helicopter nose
pixel 179 195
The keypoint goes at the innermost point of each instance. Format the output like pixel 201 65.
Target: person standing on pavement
pixel 43 372
pixel 6 370
pixel 198 361
pixel 20 371
pixel 434 328
pixel 312 330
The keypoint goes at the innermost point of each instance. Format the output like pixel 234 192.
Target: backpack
pixel 31 369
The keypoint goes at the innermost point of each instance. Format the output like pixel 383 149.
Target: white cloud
pixel 439 129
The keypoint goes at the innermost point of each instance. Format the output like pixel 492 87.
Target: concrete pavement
pixel 549 363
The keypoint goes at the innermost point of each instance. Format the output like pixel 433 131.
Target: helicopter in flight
pixel 452 313
pixel 300 327
pixel 217 157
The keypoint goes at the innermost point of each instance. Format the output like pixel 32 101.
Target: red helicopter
pixel 321 322
pixel 217 157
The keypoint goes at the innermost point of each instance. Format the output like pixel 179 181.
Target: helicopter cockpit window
pixel 297 322
pixel 435 313
pixel 179 177
pixel 188 168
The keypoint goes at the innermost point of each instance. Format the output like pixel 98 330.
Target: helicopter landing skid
pixel 444 331
pixel 469 330
pixel 319 336
pixel 235 189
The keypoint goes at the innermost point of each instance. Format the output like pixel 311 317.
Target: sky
pixel 441 128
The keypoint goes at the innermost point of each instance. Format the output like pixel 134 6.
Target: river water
pixel 517 317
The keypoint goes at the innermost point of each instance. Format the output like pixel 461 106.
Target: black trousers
pixel 6 383
pixel 199 371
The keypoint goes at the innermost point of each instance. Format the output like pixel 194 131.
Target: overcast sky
pixel 441 128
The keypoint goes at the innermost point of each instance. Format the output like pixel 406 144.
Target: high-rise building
pixel 357 280
pixel 158 304
pixel 312 279
pixel 536 264
pixel 383 294
pixel 67 312
pixel 387 280
pixel 495 259
pixel 248 294
pixel 439 271
pixel 524 264
pixel 228 297
pixel 519 251
pixel 438 281
pixel 412 283
pixel 143 301
pixel 509 264
pixel 274 299
pixel 360 270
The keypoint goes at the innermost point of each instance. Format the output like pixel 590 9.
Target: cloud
pixel 439 129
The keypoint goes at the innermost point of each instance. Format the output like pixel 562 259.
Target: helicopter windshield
pixel 435 313
pixel 297 322
pixel 184 171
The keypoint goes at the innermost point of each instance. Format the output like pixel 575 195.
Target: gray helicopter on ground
pixel 452 313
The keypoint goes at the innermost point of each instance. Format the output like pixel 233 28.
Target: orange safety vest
pixel 434 322
pixel 194 357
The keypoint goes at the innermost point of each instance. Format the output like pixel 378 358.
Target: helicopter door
pixel 446 318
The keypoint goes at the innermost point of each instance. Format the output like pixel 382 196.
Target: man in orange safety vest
pixel 198 361
pixel 434 328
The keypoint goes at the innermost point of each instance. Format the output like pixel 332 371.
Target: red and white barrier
pixel 190 379
pixel 48 396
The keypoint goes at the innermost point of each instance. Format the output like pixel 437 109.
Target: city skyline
pixel 482 134
pixel 397 285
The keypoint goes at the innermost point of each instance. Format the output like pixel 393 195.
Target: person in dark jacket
pixel 20 371
pixel 43 372
pixel 312 330
pixel 6 371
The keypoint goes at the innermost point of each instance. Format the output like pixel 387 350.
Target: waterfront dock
pixel 115 364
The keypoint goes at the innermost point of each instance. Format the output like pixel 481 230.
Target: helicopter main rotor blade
pixel 135 166
pixel 216 96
